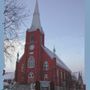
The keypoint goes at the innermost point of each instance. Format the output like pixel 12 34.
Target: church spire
pixel 36 19
pixel 36 10
pixel 80 80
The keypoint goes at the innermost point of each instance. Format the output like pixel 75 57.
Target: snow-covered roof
pixel 36 20
pixel 9 75
pixel 58 61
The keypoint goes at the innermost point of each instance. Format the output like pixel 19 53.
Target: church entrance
pixel 44 88
pixel 52 86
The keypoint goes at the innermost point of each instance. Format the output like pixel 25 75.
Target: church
pixel 39 68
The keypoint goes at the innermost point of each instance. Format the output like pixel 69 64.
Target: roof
pixel 36 20
pixel 58 61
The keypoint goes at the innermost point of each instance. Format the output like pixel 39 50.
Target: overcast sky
pixel 64 27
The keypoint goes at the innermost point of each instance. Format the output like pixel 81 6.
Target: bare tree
pixel 13 18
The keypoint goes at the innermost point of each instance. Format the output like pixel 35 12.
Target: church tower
pixel 32 58
pixel 34 42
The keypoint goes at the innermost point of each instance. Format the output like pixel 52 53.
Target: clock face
pixel 31 47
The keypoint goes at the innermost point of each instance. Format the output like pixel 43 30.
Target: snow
pixel 6 84
pixel 58 61
pixel 9 75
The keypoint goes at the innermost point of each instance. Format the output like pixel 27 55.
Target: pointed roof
pixel 80 78
pixel 36 19
pixel 36 10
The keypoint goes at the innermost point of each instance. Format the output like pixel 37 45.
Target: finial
pixel 80 78
pixel 17 56
pixel 54 50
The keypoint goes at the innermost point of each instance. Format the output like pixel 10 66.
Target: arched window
pixel 31 62
pixel 45 65
pixel 45 76
pixel 61 75
pixel 64 75
pixel 57 73
pixel 31 75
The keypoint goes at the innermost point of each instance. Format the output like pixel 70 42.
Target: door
pixel 44 88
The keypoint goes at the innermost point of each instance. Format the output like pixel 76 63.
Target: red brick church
pixel 39 68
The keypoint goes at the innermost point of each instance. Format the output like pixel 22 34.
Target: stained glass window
pixel 31 62
pixel 45 66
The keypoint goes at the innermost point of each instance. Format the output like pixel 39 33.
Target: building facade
pixel 39 68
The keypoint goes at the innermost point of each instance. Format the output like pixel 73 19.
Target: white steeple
pixel 36 19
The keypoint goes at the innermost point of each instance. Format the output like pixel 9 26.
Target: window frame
pixel 31 62
pixel 46 65
pixel 31 75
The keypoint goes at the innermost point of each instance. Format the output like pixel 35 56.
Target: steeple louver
pixel 36 19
